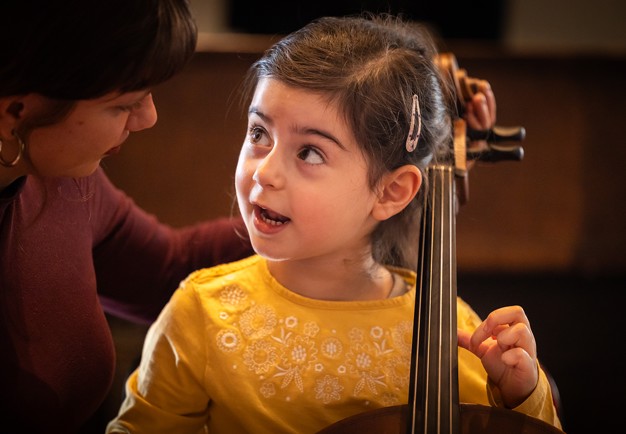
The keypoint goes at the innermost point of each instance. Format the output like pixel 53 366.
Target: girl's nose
pixel 143 116
pixel 269 172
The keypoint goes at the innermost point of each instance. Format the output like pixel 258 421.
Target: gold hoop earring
pixel 20 151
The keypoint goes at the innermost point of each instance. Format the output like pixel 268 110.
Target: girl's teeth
pixel 265 216
pixel 270 221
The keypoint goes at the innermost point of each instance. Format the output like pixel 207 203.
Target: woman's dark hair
pixel 82 49
pixel 69 50
pixel 371 66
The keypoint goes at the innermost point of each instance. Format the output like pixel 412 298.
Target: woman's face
pixel 93 130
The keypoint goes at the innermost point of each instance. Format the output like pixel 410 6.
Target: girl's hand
pixel 507 349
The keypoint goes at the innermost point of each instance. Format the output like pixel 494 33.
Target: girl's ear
pixel 397 189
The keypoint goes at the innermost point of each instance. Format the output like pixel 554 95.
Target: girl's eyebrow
pixel 254 110
pixel 299 130
pixel 318 132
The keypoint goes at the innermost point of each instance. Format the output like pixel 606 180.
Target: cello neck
pixel 433 392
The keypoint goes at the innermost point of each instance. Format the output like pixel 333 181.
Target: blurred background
pixel 545 233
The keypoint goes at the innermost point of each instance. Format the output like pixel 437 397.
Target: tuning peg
pixel 498 134
pixel 495 153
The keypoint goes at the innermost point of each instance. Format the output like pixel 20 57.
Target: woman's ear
pixel 397 189
pixel 11 108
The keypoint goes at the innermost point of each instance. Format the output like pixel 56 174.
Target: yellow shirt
pixel 236 352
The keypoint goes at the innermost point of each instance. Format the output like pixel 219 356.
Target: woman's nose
pixel 143 116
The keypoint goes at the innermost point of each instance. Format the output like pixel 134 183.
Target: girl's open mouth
pixel 270 217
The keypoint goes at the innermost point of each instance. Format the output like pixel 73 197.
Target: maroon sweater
pixel 69 250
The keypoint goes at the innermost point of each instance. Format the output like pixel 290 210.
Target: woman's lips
pixel 114 150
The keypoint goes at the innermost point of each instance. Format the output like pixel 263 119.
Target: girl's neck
pixel 336 281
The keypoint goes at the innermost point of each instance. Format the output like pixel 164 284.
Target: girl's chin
pixel 268 253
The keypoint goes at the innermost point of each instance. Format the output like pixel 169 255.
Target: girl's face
pixel 301 179
pixel 93 130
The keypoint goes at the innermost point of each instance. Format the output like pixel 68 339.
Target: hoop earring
pixel 20 151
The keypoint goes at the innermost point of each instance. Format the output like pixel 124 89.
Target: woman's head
pixel 78 49
pixel 371 68
pixel 61 57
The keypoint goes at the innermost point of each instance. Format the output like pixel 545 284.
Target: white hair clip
pixel 414 132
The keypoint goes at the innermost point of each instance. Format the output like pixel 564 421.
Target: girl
pixel 317 326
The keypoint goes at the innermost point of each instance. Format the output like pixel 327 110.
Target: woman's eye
pixel 129 107
pixel 311 156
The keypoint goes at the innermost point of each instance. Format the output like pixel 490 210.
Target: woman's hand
pixel 480 112
pixel 507 349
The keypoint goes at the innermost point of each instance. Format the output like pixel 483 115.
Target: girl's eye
pixel 311 155
pixel 258 136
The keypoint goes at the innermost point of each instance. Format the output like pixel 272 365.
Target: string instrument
pixel 433 403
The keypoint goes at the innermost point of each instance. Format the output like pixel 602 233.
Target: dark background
pixel 452 19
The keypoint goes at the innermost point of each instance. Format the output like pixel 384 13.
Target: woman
pixel 75 80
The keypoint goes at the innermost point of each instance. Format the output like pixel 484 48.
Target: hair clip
pixel 414 133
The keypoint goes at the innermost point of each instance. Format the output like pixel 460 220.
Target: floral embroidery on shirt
pixel 311 329
pixel 290 354
pixel 356 335
pixel 298 354
pixel 258 321
pixel 232 295
pixel 396 370
pixel 228 340
pixel 291 322
pixel 268 390
pixel 376 332
pixel 388 399
pixel 402 337
pixel 360 361
pixel 260 356
pixel 328 389
pixel 331 347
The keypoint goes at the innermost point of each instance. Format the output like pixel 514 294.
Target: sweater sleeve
pixel 140 261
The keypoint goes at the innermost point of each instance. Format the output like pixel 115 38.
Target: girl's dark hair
pixel 371 66
pixel 83 49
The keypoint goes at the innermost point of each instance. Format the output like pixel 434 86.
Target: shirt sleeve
pixel 538 405
pixel 140 261
pixel 166 394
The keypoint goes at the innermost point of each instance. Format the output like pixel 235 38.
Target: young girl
pixel 317 326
